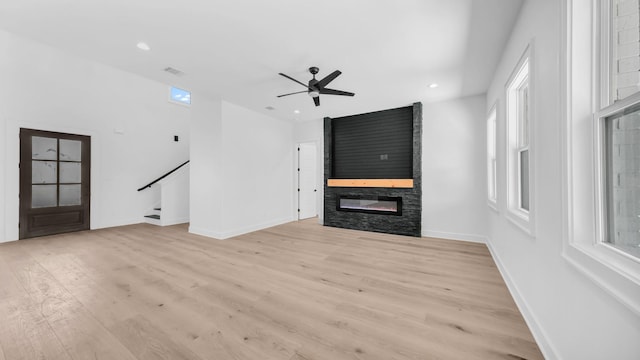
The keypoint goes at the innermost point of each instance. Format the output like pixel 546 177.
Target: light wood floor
pixel 298 291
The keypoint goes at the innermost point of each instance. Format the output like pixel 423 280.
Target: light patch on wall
pixel 180 96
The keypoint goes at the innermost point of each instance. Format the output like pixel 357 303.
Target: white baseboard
pixel 122 222
pixel 454 236
pixel 223 235
pixel 125 222
pixel 251 228
pixel 205 232
pixel 174 221
pixel 152 221
pixel 542 339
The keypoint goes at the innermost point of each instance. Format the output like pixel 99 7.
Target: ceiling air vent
pixel 173 71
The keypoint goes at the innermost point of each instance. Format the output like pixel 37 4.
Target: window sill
pixel 604 267
pixel 521 221
pixel 493 205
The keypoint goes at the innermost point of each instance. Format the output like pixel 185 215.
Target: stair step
pixel 157 209
pixel 157 217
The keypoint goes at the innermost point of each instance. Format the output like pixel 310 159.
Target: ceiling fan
pixel 317 87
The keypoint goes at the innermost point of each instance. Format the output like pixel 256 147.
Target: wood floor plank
pixel 147 342
pixel 80 334
pixel 299 291
pixel 152 295
pixel 9 286
pixel 25 333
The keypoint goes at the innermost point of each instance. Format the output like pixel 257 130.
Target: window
pixel 492 171
pixel 519 189
pixel 602 144
pixel 522 144
pixel 180 96
pixel 622 181
pixel 620 19
pixel 618 127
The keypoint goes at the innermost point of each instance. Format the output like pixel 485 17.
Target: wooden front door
pixel 54 182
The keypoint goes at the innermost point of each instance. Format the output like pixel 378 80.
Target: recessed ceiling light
pixel 143 46
pixel 433 86
pixel 296 111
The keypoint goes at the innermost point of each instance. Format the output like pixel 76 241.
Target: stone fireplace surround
pixel 407 223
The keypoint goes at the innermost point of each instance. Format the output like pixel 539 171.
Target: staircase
pixel 154 218
pixel 173 205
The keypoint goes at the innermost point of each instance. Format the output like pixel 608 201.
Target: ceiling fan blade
pixel 290 78
pixel 316 100
pixel 327 79
pixel 335 92
pixel 293 93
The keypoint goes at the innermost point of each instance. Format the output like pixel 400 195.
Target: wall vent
pixel 173 71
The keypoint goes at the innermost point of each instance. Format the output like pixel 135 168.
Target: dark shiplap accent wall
pixel 409 223
pixel 376 145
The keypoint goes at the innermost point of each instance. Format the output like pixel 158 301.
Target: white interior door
pixel 307 181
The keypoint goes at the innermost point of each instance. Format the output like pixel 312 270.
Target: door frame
pixel 25 186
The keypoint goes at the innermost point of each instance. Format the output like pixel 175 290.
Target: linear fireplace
pixel 370 204
pixel 373 171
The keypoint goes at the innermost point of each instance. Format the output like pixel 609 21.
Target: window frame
pixel 173 101
pixel 600 155
pixel 492 157
pixel 515 141
pixel 610 113
pixel 585 66
pixel 608 106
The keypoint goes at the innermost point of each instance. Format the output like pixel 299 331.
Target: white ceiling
pixel 389 51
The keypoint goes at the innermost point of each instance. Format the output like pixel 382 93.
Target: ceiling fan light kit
pixel 316 87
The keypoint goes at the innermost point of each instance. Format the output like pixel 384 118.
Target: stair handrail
pixel 164 176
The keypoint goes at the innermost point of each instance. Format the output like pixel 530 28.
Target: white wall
pixel 453 156
pixel 242 178
pixel 206 180
pixel 3 203
pixel 44 88
pixel 174 197
pixel 570 316
pixel 453 163
pixel 258 172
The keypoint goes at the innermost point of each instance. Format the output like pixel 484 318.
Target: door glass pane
pixel 70 195
pixel 70 150
pixel 70 172
pixel 43 196
pixel 44 148
pixel 44 172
